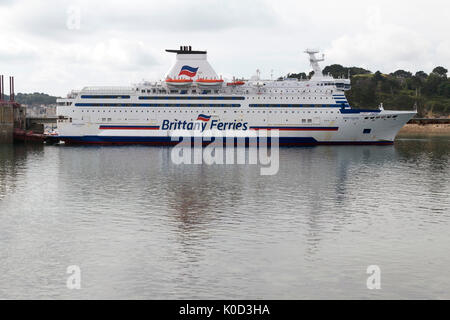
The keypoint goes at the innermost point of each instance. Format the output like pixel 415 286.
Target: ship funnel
pixel 191 64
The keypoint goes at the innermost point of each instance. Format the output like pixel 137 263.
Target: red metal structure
pixel 11 92
pixel 18 120
pixel 2 90
pixel 11 89
pixel 1 87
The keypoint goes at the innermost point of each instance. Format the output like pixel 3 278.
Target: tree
pixel 422 75
pixel 357 70
pixel 300 75
pixel 444 89
pixel 402 102
pixel 432 84
pixel 390 86
pixel 363 93
pixel 441 71
pixel 378 76
pixel 337 71
pixel 35 98
pixel 414 83
pixel 402 74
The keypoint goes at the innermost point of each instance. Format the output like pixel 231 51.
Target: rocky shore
pixel 426 129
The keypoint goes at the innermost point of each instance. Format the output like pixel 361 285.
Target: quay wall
pixel 6 123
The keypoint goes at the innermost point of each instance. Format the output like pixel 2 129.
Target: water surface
pixel 141 227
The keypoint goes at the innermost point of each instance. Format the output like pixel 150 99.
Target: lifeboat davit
pixel 179 82
pixel 236 83
pixel 209 82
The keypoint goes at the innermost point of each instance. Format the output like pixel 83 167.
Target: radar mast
pixel 315 62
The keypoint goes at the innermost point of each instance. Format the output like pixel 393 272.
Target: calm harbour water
pixel 141 227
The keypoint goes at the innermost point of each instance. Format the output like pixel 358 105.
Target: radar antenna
pixel 315 62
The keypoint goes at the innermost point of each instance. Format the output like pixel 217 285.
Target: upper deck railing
pixel 107 89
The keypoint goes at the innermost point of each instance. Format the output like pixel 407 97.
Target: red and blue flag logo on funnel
pixel 203 117
pixel 188 71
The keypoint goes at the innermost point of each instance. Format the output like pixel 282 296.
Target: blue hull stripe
pixel 105 140
pixel 357 111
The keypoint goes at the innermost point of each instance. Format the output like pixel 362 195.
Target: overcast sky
pixel 49 48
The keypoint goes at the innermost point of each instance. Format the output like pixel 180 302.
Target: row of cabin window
pixel 188 98
pixel 296 105
pixel 294 91
pixel 223 98
pixel 155 105
pixel 195 91
pixel 292 98
pixel 298 91
pixel 381 117
pixel 176 91
pixel 309 121
pixel 182 105
pixel 186 111
pixel 105 97
pixel 110 119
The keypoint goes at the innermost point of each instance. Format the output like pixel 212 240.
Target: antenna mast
pixel 315 62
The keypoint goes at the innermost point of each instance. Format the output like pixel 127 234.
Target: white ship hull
pixel 303 112
pixel 326 128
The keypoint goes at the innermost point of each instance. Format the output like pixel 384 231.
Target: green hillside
pixel 35 98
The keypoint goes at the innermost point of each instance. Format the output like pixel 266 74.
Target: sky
pixel 54 46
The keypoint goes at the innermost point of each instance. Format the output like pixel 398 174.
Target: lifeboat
pixel 236 83
pixel 179 82
pixel 209 82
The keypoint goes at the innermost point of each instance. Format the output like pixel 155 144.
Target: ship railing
pixel 107 89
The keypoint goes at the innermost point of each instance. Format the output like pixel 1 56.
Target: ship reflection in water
pixel 141 227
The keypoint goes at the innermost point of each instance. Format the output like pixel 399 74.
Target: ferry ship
pixel 193 97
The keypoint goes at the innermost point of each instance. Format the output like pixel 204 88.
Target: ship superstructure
pixel 193 96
